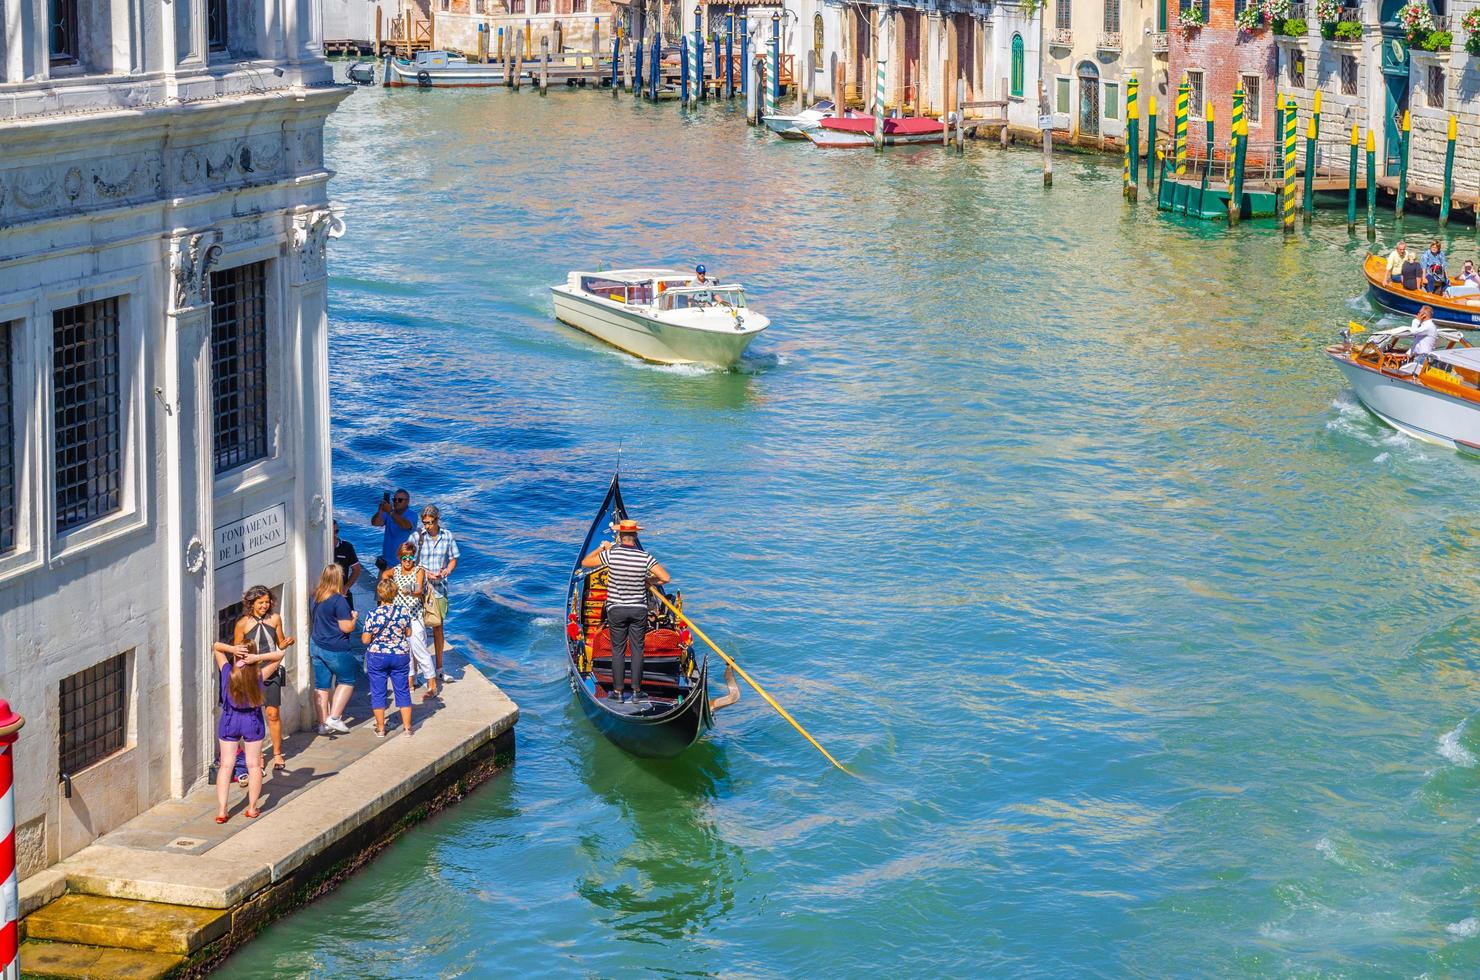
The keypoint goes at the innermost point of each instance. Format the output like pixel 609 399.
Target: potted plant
pixel 1417 20
pixel 1191 18
pixel 1436 41
pixel 1471 26
pixel 1293 27
pixel 1348 30
pixel 1328 15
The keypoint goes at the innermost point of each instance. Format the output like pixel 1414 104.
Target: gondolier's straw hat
pixel 628 527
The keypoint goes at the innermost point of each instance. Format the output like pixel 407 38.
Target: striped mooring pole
pixel 744 54
pixel 1151 142
pixel 1202 191
pixel 1371 187
pixel 1238 129
pixel 1132 138
pixel 730 54
pixel 1179 146
pixel 699 53
pixel 773 67
pixel 683 68
pixel 1403 165
pixel 1307 204
pixel 1448 172
pixel 879 83
pixel 1288 186
pixel 1351 186
pixel 10 906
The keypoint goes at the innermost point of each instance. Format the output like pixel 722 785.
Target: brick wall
pixel 1223 53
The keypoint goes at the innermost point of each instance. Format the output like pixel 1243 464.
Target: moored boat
pixel 438 69
pixel 677 710
pixel 796 127
pixel 1434 398
pixel 1453 311
pixel 660 315
pixel 858 130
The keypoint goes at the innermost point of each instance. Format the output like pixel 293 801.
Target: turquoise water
pixel 1044 514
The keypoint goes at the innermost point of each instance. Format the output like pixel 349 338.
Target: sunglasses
pixel 407 558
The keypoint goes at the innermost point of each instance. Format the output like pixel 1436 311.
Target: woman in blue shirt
pixel 335 665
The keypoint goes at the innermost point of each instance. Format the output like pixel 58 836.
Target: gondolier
pixel 629 569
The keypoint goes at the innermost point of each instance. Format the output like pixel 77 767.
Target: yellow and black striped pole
pixel 1288 187
pixel 1307 204
pixel 1238 130
pixel 1351 186
pixel 1179 137
pixel 1133 133
pixel 1402 198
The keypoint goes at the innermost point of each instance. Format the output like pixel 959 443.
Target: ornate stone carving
pixel 317 511
pixel 195 555
pixel 192 267
pixel 311 232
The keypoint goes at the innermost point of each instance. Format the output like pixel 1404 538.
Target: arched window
pixel 817 37
pixel 1017 66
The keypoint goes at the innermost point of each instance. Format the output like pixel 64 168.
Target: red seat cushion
pixel 658 644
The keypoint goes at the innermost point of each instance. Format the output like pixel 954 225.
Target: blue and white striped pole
pixel 683 67
pixel 744 54
pixel 698 52
pixel 879 49
pixel 773 67
pixel 730 54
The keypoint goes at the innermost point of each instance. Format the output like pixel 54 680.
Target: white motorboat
pixel 796 127
pixel 660 315
pixel 439 69
pixel 1434 398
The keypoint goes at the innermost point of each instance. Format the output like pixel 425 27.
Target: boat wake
pixel 1451 748
pixel 1353 421
pixel 1464 928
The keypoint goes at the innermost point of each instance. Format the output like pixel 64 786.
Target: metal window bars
pixel 239 365
pixel 87 408
pixel 94 715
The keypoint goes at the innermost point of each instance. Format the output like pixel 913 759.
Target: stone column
pixel 185 394
pixel 305 333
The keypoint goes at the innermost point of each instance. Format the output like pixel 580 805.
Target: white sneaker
pixel 338 725
pixel 323 729
pixel 446 677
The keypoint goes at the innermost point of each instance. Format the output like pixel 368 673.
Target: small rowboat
pixel 678 709
pixel 1451 311
pixel 856 131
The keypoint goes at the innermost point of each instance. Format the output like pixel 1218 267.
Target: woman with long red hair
pixel 241 724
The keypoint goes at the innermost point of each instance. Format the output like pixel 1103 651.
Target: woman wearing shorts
pixel 335 666
pixel 261 626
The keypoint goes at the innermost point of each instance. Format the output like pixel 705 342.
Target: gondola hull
pixel 661 728
pixel 651 736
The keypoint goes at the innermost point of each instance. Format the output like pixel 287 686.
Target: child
pixel 387 637
pixel 241 720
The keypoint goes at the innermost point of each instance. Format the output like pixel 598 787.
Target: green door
pixel 1395 85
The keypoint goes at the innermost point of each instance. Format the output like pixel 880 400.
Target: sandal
pixel 251 814
pixel 279 764
pixel 241 780
pixel 223 819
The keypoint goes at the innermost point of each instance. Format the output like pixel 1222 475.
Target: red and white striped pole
pixel 10 963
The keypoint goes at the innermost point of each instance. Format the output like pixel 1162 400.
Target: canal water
pixel 1154 652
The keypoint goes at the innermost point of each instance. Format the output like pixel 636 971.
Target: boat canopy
pixel 1463 357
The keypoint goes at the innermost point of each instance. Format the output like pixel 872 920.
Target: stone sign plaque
pixel 252 534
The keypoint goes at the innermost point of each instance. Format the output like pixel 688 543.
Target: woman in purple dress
pixel 241 721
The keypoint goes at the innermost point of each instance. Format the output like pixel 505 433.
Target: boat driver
pixel 700 279
pixel 1424 339
pixel 629 569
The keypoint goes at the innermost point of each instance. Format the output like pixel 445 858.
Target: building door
pixel 1089 99
pixel 1395 85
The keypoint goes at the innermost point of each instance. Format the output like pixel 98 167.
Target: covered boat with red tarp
pixel 677 710
pixel 859 131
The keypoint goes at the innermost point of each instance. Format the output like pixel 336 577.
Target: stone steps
pixel 39 959
pixel 153 927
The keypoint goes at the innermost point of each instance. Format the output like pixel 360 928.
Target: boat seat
pixel 658 645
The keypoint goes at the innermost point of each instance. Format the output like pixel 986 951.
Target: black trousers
pixel 628 629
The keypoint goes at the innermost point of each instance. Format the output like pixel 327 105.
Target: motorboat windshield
pixel 702 298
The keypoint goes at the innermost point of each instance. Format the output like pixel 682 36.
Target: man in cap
pixel 629 569
pixel 701 279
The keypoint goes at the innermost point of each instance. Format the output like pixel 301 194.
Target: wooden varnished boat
pixel 678 709
pixel 1451 311
pixel 1433 397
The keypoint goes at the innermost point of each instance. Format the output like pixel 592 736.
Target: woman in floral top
pixel 388 639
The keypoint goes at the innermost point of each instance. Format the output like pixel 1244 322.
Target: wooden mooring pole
pixel 1288 183
pixel 1151 143
pixel 1351 186
pixel 544 65
pixel 1308 204
pixel 1402 199
pixel 1179 135
pixel 1043 114
pixel 1371 187
pixel 1448 173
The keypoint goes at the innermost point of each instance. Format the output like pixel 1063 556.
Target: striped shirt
pixel 435 554
pixel 628 571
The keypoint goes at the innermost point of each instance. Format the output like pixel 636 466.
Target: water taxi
pixel 1435 399
pixel 1454 310
pixel 438 69
pixel 660 315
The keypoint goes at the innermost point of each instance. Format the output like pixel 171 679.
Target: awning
pixel 1465 357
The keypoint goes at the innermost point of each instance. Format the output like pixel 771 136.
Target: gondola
pixel 678 710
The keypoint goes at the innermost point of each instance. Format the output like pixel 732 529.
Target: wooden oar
pixel 751 681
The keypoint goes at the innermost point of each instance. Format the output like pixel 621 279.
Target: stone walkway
pixel 188 826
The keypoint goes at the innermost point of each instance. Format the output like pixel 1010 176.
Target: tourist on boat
pixel 699 277
pixel 411 583
pixel 1435 279
pixel 436 554
pixel 348 561
pixel 1425 338
pixel 262 627
pixel 1396 259
pixel 392 515
pixel 387 639
pixel 1468 275
pixel 629 570
pixel 240 726
pixel 335 666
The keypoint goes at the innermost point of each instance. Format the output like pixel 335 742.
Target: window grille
pixel 1250 85
pixel 1062 14
pixel 7 439
pixel 1348 74
pixel 1434 89
pixel 94 714
pixel 239 365
pixel 226 621
pixel 542 6
pixel 89 457
pixel 1297 69
pixel 1195 99
pixel 216 24
pixel 1112 16
pixel 62 31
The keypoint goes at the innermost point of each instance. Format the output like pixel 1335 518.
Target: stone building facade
pixel 1216 59
pixel 1092 49
pixel 457 22
pixel 163 382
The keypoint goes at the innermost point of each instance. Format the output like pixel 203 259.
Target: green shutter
pixel 1017 65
